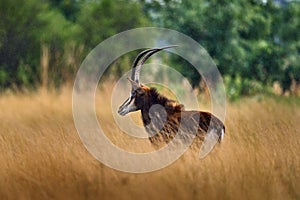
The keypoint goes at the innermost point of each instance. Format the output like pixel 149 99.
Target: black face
pixel 136 101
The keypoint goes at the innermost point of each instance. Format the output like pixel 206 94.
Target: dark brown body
pixel 169 118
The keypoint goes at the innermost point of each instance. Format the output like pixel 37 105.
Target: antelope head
pixel 139 92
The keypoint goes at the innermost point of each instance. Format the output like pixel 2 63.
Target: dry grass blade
pixel 43 158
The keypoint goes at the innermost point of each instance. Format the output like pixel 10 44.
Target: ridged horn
pixel 141 59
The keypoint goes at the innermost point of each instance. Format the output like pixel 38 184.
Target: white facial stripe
pixel 128 106
pixel 128 100
pixel 131 105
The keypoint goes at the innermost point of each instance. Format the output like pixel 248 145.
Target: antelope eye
pixel 133 93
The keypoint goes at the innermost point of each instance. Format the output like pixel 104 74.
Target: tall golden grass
pixel 42 156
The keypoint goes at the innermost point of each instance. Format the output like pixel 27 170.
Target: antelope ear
pixel 134 84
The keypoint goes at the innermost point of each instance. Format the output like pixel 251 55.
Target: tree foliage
pixel 18 45
pixel 67 28
pixel 254 43
pixel 250 41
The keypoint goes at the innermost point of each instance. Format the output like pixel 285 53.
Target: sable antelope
pixel 163 118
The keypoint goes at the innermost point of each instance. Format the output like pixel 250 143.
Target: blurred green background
pixel 255 43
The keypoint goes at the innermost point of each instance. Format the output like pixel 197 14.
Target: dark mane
pixel 170 105
pixel 157 98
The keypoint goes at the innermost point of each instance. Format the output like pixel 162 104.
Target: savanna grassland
pixel 42 156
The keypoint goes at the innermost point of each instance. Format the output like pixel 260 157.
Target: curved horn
pixel 135 62
pixel 144 55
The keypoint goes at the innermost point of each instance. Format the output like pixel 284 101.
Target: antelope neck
pixel 153 98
